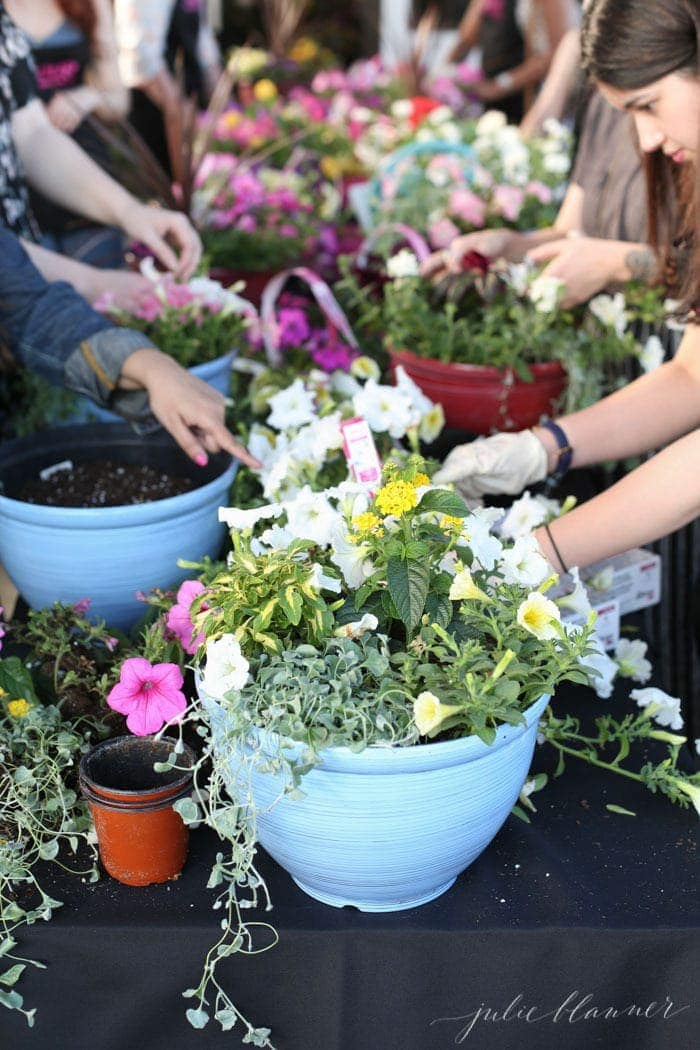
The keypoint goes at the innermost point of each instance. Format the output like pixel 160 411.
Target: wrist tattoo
pixel 642 264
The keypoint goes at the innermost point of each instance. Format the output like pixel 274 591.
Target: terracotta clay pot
pixel 141 838
pixel 482 399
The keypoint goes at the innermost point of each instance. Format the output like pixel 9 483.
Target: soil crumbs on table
pixel 102 483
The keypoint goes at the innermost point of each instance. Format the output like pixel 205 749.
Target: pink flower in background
pixel 467 74
pixel 446 91
pixel 178 295
pixel 468 207
pixel 509 200
pixel 329 80
pixel 442 233
pixel 150 308
pixel 2 626
pixel 293 327
pixel 246 224
pixel 82 606
pixel 104 302
pixel 494 9
pixel 179 618
pixel 287 230
pixel 111 643
pixel 539 190
pixel 148 694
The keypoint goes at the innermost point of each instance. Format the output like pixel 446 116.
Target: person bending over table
pixel 644 59
pixel 55 166
pixel 50 329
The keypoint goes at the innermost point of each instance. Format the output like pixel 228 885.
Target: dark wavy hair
pixel 628 44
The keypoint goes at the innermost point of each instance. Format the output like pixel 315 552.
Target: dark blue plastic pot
pixel 106 553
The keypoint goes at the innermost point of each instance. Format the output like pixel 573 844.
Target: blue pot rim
pixel 121 516
pixel 382 759
pixel 206 368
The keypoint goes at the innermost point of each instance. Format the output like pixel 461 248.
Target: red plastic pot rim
pixel 134 805
pixel 488 373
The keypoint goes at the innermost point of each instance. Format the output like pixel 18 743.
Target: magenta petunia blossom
pixel 179 619
pixel 148 694
pixel 82 606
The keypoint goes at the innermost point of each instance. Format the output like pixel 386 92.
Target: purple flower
pixel 82 606
pixel 148 694
pixel 293 327
pixel 329 353
pixel 2 626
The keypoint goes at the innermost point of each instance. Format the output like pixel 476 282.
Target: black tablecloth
pixel 582 909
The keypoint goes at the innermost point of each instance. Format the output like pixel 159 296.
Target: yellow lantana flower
pixel 464 589
pixel 304 50
pixel 368 522
pixel 3 692
pixel 420 480
pixel 265 90
pixel 332 168
pixel 429 712
pixel 18 708
pixel 538 615
pixel 396 498
pixel 449 523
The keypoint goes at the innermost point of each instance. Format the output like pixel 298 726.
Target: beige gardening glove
pixel 502 463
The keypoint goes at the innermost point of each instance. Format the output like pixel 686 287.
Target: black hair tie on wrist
pixel 564 450
pixel 555 548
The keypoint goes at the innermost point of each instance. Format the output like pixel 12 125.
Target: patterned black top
pixel 17 88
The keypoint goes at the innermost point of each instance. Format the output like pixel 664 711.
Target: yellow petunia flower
pixel 464 589
pixel 396 498
pixel 18 708
pixel 538 615
pixel 429 712
pixel 265 90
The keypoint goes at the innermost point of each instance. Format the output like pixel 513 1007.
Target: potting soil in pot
pixel 103 483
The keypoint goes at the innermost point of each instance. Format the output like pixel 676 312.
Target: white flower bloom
pixel 262 443
pixel 247 519
pixel 486 548
pixel 403 264
pixel 610 310
pixel 344 384
pixel 490 123
pixel 292 407
pixel 631 659
pixel 697 746
pixel 439 115
pixel 651 355
pixel 577 600
pixel 539 616
pixel 364 368
pixel 277 539
pixel 385 408
pixel 545 292
pixel 556 163
pixel 413 393
pixel 351 558
pixel 431 424
pixel 311 517
pixel 357 628
pixel 323 582
pixel 402 108
pixel 525 514
pixel 226 667
pixel 518 277
pixel 214 292
pixel 313 442
pixel 668 708
pixel 524 563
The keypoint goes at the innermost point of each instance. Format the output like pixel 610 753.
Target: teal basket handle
pixel 430 147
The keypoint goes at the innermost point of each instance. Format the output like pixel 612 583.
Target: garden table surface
pixel 581 912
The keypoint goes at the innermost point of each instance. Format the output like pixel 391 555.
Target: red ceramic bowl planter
pixel 482 399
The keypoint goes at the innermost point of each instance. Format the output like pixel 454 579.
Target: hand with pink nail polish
pixel 188 408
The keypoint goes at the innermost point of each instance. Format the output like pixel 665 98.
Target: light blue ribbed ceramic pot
pixel 106 553
pixel 216 373
pixel 389 828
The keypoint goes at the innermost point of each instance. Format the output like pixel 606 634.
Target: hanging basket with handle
pixel 412 178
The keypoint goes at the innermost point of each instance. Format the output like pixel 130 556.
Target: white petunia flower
pixel 323 582
pixel 631 660
pixel 556 163
pixel 226 667
pixel 214 292
pixel 292 407
pixel 364 368
pixel 524 516
pixel 577 600
pixel 545 292
pixel 277 539
pixel 357 628
pixel 403 264
pixel 311 517
pixel 651 355
pixel 667 708
pixel 524 563
pixel 539 615
pixel 490 123
pixel 351 558
pixel 599 661
pixel 247 519
pixel 386 409
pixel 610 310
pixel 486 548
pixel 602 580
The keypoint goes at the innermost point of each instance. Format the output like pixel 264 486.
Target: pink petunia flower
pixel 467 206
pixel 150 308
pixel 82 606
pixel 178 295
pixel 179 619
pixel 148 694
pixel 539 190
pixel 508 200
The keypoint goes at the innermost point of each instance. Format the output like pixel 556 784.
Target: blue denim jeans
pixel 100 246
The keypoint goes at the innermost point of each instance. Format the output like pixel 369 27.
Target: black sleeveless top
pixel 61 60
pixel 502 48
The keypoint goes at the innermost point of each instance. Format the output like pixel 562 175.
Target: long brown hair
pixel 629 44
pixel 83 13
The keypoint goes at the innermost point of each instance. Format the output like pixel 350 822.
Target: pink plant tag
pixel 361 453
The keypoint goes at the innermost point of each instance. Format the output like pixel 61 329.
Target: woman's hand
pixel 494 244
pixel 586 265
pixel 189 409
pixel 502 463
pixel 158 229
